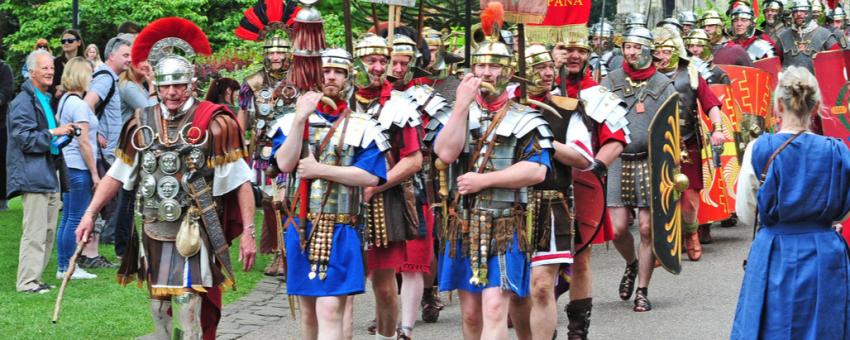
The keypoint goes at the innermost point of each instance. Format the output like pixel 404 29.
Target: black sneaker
pixel 97 262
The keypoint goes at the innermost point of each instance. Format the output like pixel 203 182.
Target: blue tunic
pixel 797 279
pixel 455 272
pixel 346 271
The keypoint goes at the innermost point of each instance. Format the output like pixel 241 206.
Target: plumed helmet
pixel 710 17
pixel 687 18
pixel 602 29
pixel 371 44
pixel 277 41
pixel 635 20
pixel 170 45
pixel 492 50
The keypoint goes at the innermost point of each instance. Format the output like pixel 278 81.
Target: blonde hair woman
pixel 797 278
pixel 80 158
pixel 93 55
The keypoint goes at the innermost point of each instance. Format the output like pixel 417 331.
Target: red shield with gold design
pixel 773 66
pixel 717 198
pixel 829 71
pixel 752 89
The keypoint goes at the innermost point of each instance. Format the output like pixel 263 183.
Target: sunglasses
pixel 69 41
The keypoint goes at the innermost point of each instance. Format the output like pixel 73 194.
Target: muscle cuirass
pixel 687 102
pixel 163 198
pixel 648 92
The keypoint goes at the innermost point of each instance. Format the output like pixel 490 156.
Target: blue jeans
pixel 75 202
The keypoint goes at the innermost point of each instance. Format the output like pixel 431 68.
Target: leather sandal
pixel 642 303
pixel 694 247
pixel 627 283
pixel 373 327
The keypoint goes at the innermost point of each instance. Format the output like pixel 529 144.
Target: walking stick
pixel 72 265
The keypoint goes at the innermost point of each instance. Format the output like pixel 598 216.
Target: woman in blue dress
pixel 797 276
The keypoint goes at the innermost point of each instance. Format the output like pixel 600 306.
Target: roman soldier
pixel 634 20
pixel 672 24
pixel 501 148
pixel 838 23
pixel 773 22
pixel 692 89
pixel 712 23
pixel 194 191
pixel 688 20
pixel 584 146
pixel 392 206
pixel 330 154
pixel 800 42
pixel 644 90
pixel 699 49
pixel 417 267
pixel 757 44
pixel 721 49
pixel 604 56
pixel 264 97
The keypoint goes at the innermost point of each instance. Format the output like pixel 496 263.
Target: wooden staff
pixel 72 265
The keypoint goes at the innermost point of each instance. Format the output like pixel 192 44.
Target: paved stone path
pixel 697 304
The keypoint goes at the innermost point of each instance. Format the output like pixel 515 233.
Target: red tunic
pixel 394 255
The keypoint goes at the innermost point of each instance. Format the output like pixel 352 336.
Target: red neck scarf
pixel 639 75
pixel 575 85
pixel 383 93
pixel 495 105
pixel 341 105
pixel 745 42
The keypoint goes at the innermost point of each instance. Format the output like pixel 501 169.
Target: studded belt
pixel 338 218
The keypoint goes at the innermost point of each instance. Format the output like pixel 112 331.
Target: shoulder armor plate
pixel 400 111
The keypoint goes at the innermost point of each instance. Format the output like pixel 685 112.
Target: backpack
pixel 101 106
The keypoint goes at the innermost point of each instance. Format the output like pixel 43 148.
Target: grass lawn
pixel 91 309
